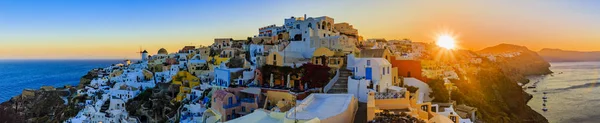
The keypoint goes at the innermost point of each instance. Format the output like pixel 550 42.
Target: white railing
pixel 332 81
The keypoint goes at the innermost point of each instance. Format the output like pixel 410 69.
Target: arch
pixel 297 37
pixel 309 25
pixel 323 25
pixel 318 25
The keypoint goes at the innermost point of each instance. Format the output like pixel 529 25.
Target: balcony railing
pixel 231 105
pixel 248 100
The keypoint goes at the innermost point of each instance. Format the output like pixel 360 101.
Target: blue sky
pixel 114 28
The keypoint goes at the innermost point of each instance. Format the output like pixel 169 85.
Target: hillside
pixel 493 89
pixel 497 98
pixel 517 61
pixel 38 106
pixel 558 55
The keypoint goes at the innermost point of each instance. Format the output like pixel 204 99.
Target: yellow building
pixel 186 81
pixel 217 60
pixel 282 100
pixel 324 56
pixel 274 58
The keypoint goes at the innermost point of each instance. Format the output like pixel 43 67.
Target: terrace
pixel 390 117
pixel 390 95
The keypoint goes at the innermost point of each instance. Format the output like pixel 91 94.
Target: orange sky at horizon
pixel 477 24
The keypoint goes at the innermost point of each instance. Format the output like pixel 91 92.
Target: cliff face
pixel 87 78
pixel 44 106
pixel 38 106
pixel 558 55
pixel 498 99
pixel 493 88
pixel 522 61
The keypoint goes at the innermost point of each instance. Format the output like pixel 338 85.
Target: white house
pixel 378 70
pixel 369 74
pixel 255 52
pixel 223 76
pixel 123 91
pixel 308 34
pixel 423 87
pixel 451 113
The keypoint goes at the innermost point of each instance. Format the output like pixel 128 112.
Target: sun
pixel 446 41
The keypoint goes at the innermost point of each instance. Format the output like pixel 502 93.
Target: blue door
pixel 368 73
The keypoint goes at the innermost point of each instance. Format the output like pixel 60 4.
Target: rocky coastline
pixel 45 105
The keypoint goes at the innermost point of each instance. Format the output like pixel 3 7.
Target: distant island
pixel 558 55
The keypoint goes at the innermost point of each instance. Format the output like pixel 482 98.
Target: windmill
pixel 143 54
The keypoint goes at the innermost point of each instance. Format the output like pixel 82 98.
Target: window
pixel 368 62
pixel 388 70
pixel 453 118
pixel 383 71
pixel 243 109
pixel 230 100
pixel 297 26
pixel 309 25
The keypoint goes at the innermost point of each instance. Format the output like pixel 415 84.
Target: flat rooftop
pixel 320 106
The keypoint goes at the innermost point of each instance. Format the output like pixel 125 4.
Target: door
pixel 368 73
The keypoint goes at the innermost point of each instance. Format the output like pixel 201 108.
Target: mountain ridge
pixel 559 55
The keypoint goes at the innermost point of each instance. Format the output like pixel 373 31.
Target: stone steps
pixel 341 85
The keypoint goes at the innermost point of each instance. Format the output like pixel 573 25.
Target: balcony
pixel 231 105
pixel 248 100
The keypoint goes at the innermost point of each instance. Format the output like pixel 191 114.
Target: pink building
pixel 232 103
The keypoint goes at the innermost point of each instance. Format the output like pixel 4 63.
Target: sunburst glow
pixel 446 41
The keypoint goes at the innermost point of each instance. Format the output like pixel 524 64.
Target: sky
pixel 117 29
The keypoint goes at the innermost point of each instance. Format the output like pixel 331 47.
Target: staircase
pixel 341 85
pixel 105 106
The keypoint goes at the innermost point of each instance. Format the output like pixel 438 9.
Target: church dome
pixel 145 51
pixel 163 51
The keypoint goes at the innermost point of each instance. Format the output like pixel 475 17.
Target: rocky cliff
pixel 39 106
pixel 492 88
pixel 498 99
pixel 517 61
pixel 47 105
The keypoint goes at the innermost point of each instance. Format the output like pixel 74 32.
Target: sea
pixel 16 75
pixel 572 91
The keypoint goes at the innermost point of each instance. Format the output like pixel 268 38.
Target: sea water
pixel 16 75
pixel 573 92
